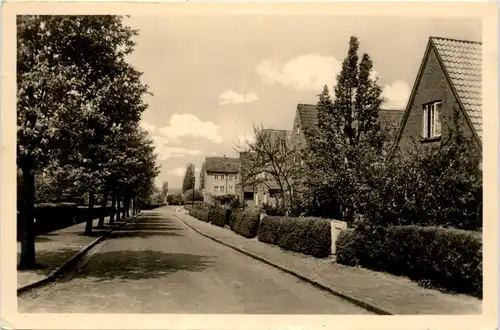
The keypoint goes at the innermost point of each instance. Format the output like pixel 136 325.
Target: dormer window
pixel 431 123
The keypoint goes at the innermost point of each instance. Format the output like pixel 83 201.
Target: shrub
pixel 247 223
pixel 305 235
pixel 199 213
pixel 217 216
pixel 232 218
pixel 441 257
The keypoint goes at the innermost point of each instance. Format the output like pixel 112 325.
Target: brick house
pixel 221 177
pixel 449 79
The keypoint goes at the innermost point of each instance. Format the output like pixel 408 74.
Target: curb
pixel 352 300
pixel 71 260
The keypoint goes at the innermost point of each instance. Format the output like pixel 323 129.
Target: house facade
pixel 449 81
pixel 221 177
pixel 245 186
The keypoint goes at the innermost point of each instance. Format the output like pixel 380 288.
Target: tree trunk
pixel 124 208
pixel 118 209
pixel 90 219
pixel 113 210
pixel 133 206
pixel 104 204
pixel 27 213
pixel 129 204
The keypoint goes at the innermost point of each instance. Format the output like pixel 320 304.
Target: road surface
pixel 158 265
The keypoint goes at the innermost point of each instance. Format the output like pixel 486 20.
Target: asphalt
pixel 156 264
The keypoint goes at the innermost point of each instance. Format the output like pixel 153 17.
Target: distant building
pixel 245 186
pixel 221 177
pixel 450 78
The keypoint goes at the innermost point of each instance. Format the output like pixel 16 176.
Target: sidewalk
pixel 55 248
pixel 395 295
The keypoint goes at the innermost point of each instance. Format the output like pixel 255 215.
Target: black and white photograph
pixel 196 160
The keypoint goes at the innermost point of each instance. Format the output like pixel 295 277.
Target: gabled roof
pixel 276 134
pixel 461 61
pixel 222 165
pixel 390 117
pixel 308 114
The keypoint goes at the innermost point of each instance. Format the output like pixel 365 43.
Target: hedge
pixel 443 258
pixel 199 213
pixel 217 216
pixel 54 216
pixel 305 235
pixel 246 223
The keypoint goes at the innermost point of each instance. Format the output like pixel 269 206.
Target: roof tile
pixel 463 63
pixel 222 165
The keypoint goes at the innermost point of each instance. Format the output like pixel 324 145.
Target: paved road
pixel 158 265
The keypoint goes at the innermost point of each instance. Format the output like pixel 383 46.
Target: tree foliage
pixel 348 131
pixel 272 166
pixel 79 105
pixel 189 178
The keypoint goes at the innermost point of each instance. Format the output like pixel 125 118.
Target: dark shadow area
pixel 49 260
pixel 137 265
pixel 44 238
pixel 141 234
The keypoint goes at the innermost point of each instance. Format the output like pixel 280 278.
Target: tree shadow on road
pixel 49 260
pixel 138 265
pixel 141 234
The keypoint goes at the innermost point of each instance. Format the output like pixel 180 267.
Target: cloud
pixel 166 152
pixel 150 128
pixel 178 171
pixel 396 94
pixel 305 72
pixel 188 125
pixel 231 97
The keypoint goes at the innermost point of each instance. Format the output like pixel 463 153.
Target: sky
pixel 214 77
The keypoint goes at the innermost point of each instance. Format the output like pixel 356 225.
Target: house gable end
pixel 431 85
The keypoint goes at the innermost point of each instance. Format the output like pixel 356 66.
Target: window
pixel 298 130
pixel 431 124
pixel 216 188
pixel 221 188
pixel 216 177
pixel 230 188
pixel 222 176
pixel 229 177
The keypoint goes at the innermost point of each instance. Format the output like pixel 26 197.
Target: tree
pixel 189 178
pixel 428 185
pixel 189 194
pixel 348 131
pixel 75 92
pixel 272 164
pixel 164 191
pixel 202 176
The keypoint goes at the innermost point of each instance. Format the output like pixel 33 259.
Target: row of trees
pixel 350 166
pixel 78 112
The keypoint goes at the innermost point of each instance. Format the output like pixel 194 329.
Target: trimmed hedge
pixel 199 213
pixel 54 216
pixel 443 258
pixel 305 235
pixel 217 216
pixel 246 223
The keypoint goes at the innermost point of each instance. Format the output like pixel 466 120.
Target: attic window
pixel 431 123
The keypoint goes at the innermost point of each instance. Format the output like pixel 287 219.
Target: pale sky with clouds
pixel 214 77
